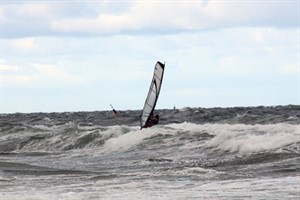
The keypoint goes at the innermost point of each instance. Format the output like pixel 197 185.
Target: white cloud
pixel 35 10
pixel 7 67
pixel 290 69
pixel 102 24
pixel 25 44
pixel 11 74
pixel 40 75
pixel 235 66
pixel 56 73
pixel 14 12
pixel 10 79
pixel 183 16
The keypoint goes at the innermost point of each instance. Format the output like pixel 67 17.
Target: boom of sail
pixel 152 94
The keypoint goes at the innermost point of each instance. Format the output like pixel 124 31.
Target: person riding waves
pixel 152 120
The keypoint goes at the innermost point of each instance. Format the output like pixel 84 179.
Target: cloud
pixel 10 79
pixel 290 69
pixel 11 74
pixel 6 67
pixel 102 18
pixel 25 44
pixel 30 10
pixel 234 66
pixel 184 16
pixel 215 53
pixel 55 73
pixel 37 75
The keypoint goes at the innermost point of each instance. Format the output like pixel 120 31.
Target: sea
pixel 231 153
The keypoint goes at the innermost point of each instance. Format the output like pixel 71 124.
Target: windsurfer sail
pixel 147 117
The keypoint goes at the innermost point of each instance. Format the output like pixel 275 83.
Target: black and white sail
pixel 153 93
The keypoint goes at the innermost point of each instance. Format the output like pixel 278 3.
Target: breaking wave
pixel 237 138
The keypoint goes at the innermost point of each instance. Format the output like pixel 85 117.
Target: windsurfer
pixel 115 112
pixel 147 118
pixel 152 120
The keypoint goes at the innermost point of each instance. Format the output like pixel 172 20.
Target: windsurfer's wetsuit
pixel 153 120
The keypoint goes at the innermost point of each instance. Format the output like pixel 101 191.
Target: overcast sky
pixel 85 55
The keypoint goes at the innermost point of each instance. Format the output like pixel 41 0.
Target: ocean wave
pixel 237 138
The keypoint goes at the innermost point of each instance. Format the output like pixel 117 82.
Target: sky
pixel 63 56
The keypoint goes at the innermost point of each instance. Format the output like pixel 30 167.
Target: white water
pixel 120 166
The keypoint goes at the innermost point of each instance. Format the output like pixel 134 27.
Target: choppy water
pixel 195 153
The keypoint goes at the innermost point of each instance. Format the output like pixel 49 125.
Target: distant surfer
pixel 115 112
pixel 152 120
